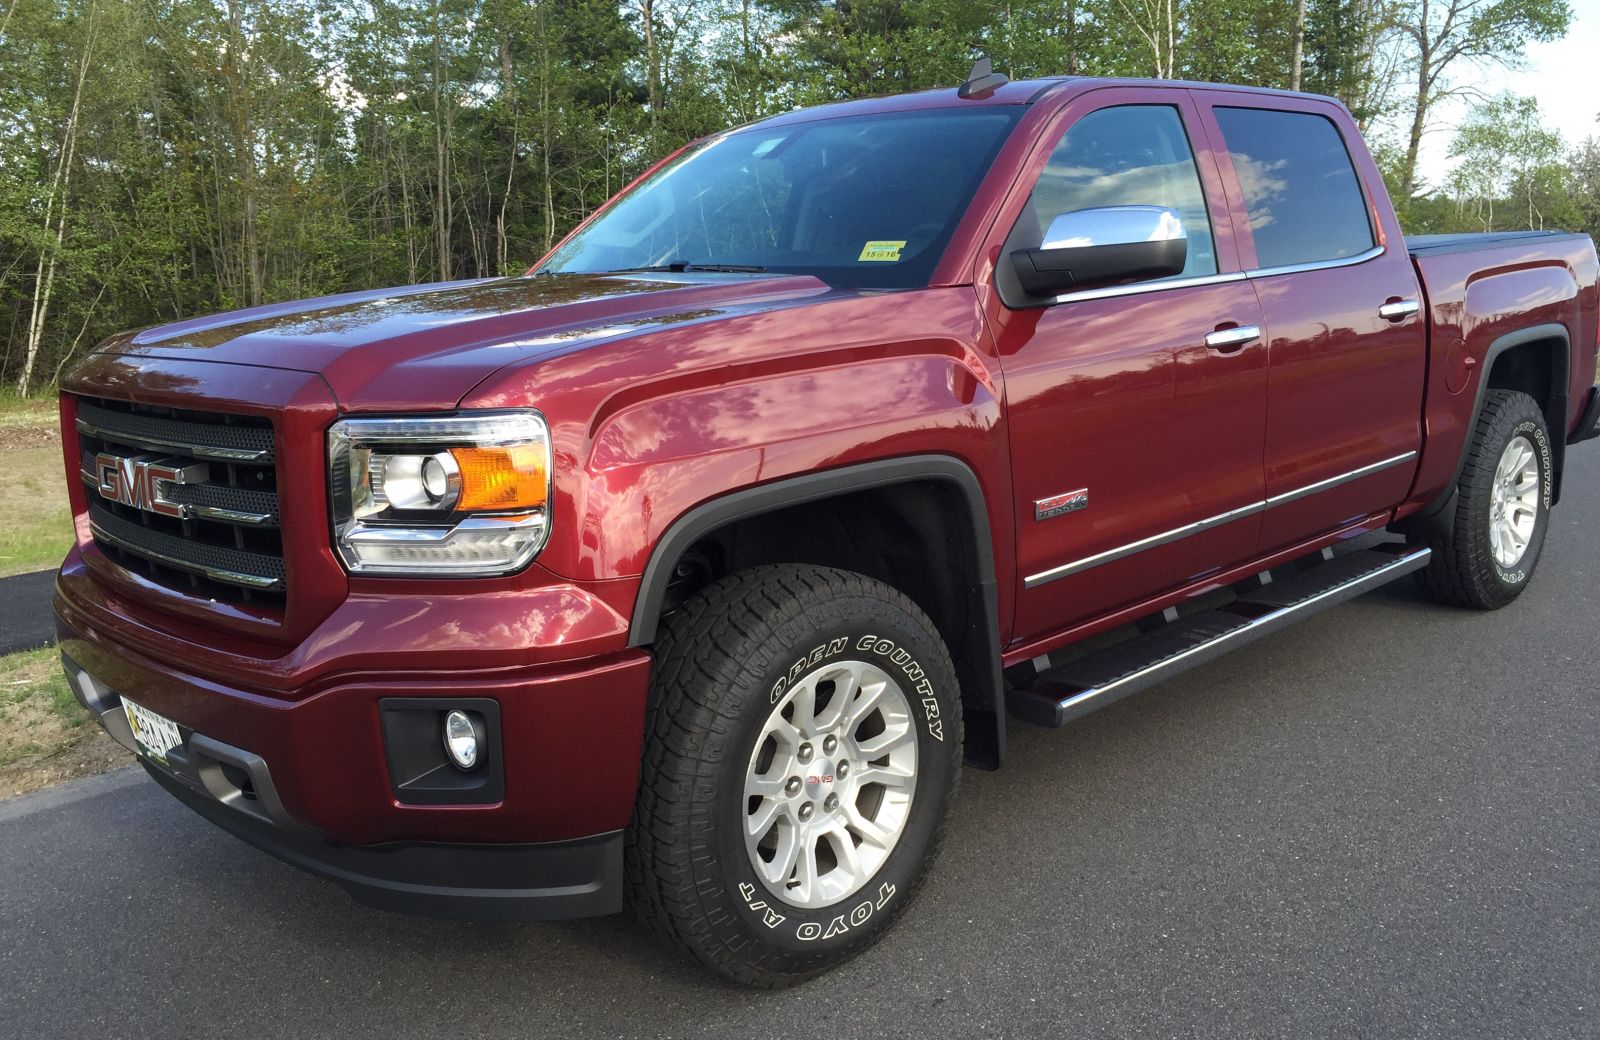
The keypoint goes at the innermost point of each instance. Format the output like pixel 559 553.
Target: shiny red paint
pixel 575 730
pixel 1474 298
pixel 666 391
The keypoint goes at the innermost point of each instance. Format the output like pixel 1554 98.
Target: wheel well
pixel 895 534
pixel 925 534
pixel 1535 362
pixel 1531 368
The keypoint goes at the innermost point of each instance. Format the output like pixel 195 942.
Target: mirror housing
pixel 1111 245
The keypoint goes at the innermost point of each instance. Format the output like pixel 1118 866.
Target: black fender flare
pixel 1560 374
pixel 983 692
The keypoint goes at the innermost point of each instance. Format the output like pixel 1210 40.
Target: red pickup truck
pixel 689 566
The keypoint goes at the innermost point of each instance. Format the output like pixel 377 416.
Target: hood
pixel 425 347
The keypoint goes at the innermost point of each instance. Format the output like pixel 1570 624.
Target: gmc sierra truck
pixel 688 568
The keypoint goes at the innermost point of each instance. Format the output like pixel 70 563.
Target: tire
pixel 1475 564
pixel 742 658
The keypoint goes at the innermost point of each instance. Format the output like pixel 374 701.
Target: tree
pixel 1446 33
pixel 188 156
pixel 1506 154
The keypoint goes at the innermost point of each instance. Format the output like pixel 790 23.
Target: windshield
pixel 858 201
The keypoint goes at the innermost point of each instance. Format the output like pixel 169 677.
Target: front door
pixel 1136 412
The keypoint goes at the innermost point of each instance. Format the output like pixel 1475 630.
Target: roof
pixel 1017 92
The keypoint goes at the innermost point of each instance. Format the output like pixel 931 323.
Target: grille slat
pixel 233 566
pixel 246 444
pixel 226 545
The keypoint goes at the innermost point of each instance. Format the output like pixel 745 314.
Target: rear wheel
pixel 803 746
pixel 1502 511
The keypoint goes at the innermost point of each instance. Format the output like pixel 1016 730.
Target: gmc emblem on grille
pixel 141 481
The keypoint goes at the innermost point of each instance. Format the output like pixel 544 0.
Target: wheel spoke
pixel 785 733
pixel 897 733
pixel 889 776
pixel 844 850
pixel 867 829
pixel 767 785
pixel 758 823
pixel 871 696
pixel 805 707
pixel 846 682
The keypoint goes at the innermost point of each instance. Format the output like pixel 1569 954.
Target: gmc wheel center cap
pixel 819 778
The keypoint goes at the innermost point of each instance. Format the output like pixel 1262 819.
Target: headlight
pixel 457 495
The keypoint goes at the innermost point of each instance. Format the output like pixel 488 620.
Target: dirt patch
pixel 45 734
pixel 29 424
pixel 12 437
pixel 96 753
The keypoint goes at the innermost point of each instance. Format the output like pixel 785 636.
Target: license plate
pixel 155 734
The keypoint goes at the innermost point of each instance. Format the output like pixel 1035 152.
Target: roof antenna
pixel 982 79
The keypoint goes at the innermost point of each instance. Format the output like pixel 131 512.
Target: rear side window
pixel 1130 155
pixel 1302 193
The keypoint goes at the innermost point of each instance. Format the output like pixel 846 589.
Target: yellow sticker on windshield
pixel 881 251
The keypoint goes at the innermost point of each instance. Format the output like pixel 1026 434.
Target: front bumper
pixel 307 779
pixel 536 882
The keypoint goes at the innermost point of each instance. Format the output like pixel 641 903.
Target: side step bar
pixel 1072 690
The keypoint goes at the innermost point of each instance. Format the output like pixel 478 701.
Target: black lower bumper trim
pixel 1589 425
pixel 538 882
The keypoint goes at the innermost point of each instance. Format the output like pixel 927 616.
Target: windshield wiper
pixel 678 266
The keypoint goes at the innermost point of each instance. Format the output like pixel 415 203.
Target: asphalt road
pixel 25 618
pixel 1384 822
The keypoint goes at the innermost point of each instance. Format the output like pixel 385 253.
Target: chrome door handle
pixel 1229 340
pixel 1399 309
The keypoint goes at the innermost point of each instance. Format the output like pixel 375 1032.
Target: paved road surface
pixel 25 618
pixel 1384 822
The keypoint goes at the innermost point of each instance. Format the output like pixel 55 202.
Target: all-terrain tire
pixel 1465 570
pixel 733 660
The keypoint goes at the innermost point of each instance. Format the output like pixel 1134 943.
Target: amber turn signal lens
pixel 501 479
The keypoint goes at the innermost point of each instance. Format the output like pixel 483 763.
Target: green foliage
pixel 165 158
pixel 1511 170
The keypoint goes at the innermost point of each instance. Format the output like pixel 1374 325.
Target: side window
pixel 1301 191
pixel 1131 155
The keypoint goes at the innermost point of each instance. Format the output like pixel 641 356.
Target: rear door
pixel 1346 334
pixel 1136 446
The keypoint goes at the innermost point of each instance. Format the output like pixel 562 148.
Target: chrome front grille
pixel 198 505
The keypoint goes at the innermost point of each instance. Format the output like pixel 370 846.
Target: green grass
pixel 26 411
pixel 38 714
pixel 35 519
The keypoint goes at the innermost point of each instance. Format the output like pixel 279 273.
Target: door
pixel 1136 446
pixel 1346 342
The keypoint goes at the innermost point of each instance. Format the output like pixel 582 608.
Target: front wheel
pixel 1502 509
pixel 802 749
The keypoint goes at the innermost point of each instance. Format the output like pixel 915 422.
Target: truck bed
pixel 1438 245
pixel 1480 288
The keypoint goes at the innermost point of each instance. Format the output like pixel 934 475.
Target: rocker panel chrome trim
pixel 1179 533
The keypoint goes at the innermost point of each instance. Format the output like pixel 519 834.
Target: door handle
pixel 1227 341
pixel 1399 310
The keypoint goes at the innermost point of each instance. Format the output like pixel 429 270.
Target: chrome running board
pixel 1065 692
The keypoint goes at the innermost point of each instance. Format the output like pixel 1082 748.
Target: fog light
pixel 461 738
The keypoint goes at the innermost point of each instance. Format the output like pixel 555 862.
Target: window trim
pixel 1368 204
pixel 1160 284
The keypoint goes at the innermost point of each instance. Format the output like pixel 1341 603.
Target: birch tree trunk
pixel 1299 44
pixel 45 275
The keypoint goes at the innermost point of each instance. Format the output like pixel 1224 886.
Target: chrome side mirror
pixel 1105 246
